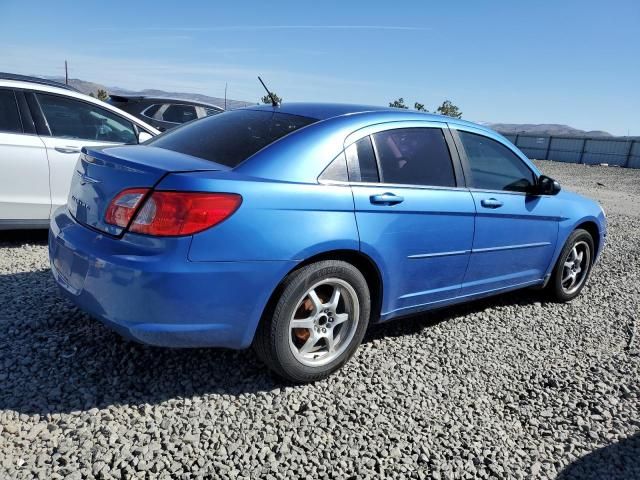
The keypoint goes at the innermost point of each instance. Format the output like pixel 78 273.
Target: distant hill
pixel 545 129
pixel 92 87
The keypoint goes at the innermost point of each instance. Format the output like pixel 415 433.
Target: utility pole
pixel 66 73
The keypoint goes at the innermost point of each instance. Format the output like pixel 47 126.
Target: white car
pixel 43 126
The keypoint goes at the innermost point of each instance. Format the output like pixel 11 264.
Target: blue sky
pixel 571 62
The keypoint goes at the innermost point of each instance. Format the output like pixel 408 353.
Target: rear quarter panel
pixel 276 220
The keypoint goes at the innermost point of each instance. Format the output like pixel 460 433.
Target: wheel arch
pixel 361 261
pixel 593 229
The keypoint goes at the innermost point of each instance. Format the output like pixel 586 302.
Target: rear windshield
pixel 231 137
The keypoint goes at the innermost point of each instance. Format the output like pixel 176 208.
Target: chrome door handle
pixel 491 203
pixel 386 199
pixel 67 149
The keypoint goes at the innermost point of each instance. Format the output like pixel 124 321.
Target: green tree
pixel 420 107
pixel 102 95
pixel 267 99
pixel 92 95
pixel 399 103
pixel 449 109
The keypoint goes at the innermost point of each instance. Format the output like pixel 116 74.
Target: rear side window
pixel 231 137
pixel 9 115
pixel 494 166
pixel 70 118
pixel 414 156
pixel 151 111
pixel 177 113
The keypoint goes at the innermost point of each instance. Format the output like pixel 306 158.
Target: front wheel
pixel 573 266
pixel 317 323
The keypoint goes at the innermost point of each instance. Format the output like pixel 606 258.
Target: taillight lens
pixel 124 205
pixel 183 213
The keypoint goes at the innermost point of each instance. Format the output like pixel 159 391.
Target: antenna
pixel 273 99
pixel 66 73
pixel 225 95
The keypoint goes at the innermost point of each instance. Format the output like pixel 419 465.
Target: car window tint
pixel 69 118
pixel 151 111
pixel 212 111
pixel 361 161
pixel 414 156
pixel 231 137
pixel 336 171
pixel 9 115
pixel 494 166
pixel 179 113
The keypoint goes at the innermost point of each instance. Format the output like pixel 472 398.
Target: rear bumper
pixel 147 290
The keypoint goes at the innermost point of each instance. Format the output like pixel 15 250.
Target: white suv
pixel 43 126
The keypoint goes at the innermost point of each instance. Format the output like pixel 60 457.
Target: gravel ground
pixel 509 387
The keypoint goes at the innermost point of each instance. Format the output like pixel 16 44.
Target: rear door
pixel 414 219
pixel 515 232
pixel 24 170
pixel 70 125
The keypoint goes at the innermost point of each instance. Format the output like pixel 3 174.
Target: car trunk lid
pixel 102 173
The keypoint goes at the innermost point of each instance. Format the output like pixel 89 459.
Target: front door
pixel 413 220
pixel 515 232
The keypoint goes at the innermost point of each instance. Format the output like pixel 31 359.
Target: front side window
pixel 414 156
pixel 177 113
pixel 231 137
pixel 211 111
pixel 70 118
pixel 494 166
pixel 9 115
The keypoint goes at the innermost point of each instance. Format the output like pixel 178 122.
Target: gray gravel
pixel 510 387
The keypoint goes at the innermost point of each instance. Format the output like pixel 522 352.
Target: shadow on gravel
pixel 618 461
pixel 18 238
pixel 55 359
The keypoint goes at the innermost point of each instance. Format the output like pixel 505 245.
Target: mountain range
pixel 92 87
pixel 504 128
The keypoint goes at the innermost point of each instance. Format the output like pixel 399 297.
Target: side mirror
pixel 144 136
pixel 547 186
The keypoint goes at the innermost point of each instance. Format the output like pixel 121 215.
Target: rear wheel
pixel 317 323
pixel 573 266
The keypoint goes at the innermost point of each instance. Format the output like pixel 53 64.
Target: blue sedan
pixel 293 228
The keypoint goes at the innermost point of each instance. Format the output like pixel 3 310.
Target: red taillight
pixel 170 213
pixel 183 213
pixel 124 205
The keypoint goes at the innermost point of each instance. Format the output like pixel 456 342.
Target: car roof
pixel 325 111
pixel 38 80
pixel 73 93
pixel 117 97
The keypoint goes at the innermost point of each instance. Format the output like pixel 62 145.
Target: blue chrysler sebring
pixel 292 228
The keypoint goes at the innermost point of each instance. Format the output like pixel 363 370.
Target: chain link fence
pixel 590 151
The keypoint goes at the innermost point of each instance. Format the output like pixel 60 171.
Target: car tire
pixel 573 266
pixel 305 336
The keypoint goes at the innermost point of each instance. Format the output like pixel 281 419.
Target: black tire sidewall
pixel 289 366
pixel 556 280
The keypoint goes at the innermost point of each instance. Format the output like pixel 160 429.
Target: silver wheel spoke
pixel 579 257
pixel 331 344
pixel 302 322
pixel 340 318
pixel 317 303
pixel 309 344
pixel 574 253
pixel 568 264
pixel 335 298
